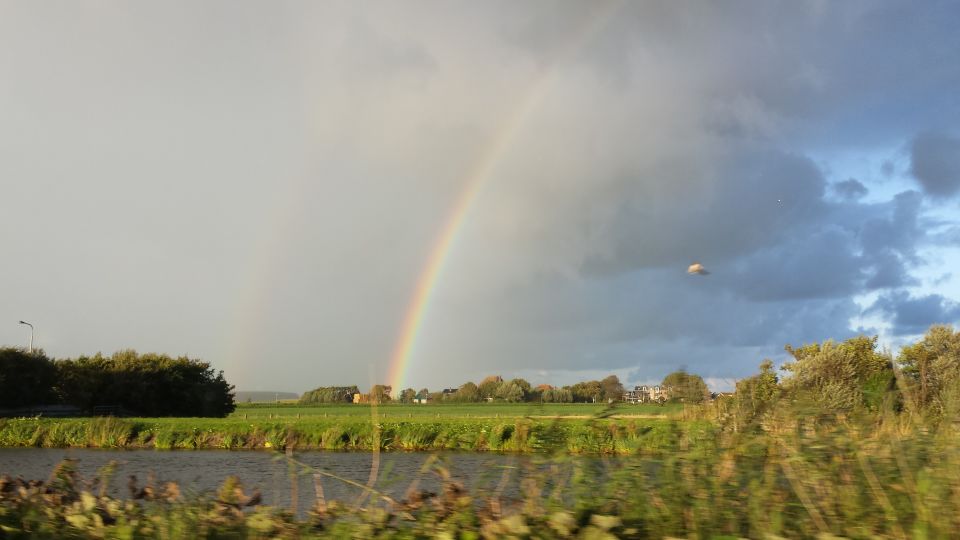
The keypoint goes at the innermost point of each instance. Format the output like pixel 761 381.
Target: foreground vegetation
pixel 826 476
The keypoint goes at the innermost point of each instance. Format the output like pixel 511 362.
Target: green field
pixel 571 428
pixel 291 411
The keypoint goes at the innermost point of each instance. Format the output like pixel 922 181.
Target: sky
pixel 262 185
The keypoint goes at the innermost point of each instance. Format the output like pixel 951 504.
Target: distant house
pixel 361 398
pixel 421 398
pixel 646 394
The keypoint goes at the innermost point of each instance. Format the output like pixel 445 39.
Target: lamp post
pixel 31 335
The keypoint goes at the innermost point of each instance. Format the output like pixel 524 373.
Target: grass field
pixel 578 429
pixel 287 410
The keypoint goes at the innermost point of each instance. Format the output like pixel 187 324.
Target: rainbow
pixel 271 245
pixel 402 355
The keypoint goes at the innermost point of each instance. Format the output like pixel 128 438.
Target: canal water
pixel 279 482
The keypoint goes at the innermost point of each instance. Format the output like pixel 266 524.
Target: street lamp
pixel 31 335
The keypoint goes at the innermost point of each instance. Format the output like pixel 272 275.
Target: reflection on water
pixel 200 471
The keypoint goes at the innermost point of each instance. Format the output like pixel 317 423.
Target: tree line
pixel 683 386
pixel 518 390
pixel 126 381
pixel 330 394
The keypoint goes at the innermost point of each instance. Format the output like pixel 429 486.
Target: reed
pixel 522 435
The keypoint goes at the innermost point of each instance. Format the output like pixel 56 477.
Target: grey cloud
pixel 901 229
pixel 887 168
pixel 910 315
pixel 831 258
pixel 801 247
pixel 261 185
pixel 935 163
pixel 749 204
pixel 798 268
pixel 850 189
pixel 655 318
pixel 889 271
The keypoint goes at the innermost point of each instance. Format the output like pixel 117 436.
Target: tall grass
pixel 524 435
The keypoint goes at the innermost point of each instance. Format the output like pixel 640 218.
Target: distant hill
pixel 244 396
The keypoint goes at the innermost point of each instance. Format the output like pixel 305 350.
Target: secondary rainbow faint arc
pixel 474 180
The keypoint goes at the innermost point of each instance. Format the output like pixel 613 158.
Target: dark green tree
pixel 612 389
pixel 329 394
pixel 26 379
pixel 587 392
pixel 149 385
pixel 685 387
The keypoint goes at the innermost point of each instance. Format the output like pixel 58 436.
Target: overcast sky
pixel 260 184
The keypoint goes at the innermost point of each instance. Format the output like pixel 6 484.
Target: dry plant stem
pixel 368 489
pixel 557 492
pixel 504 478
pixel 318 489
pixel 294 479
pixel 427 463
pixel 375 457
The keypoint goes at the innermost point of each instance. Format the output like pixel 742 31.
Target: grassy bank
pixel 573 435
pixel 574 428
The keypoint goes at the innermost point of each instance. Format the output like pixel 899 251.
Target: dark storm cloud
pixel 889 271
pixel 899 229
pixel 771 233
pixel 749 204
pixel 935 163
pixel 796 269
pixel 911 315
pixel 850 188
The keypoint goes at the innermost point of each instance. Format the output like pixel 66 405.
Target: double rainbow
pixel 402 356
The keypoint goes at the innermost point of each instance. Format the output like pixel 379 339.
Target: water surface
pixel 202 471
